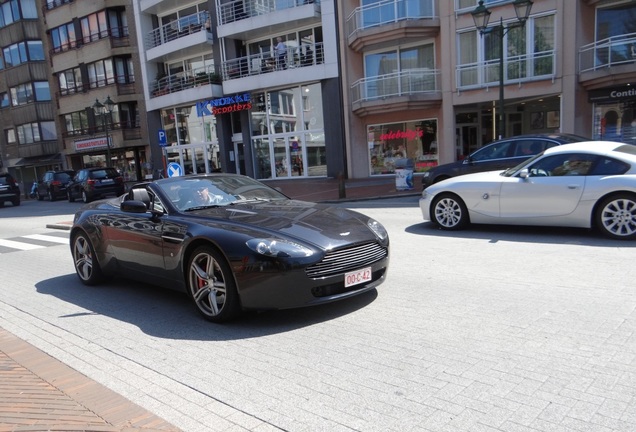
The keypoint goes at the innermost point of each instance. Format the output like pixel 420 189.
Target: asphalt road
pixel 488 329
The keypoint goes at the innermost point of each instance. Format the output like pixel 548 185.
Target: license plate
pixel 107 181
pixel 358 277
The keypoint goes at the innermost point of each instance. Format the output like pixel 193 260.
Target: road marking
pixel 18 245
pixel 47 238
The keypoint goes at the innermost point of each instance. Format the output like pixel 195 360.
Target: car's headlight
pixel 378 229
pixel 278 248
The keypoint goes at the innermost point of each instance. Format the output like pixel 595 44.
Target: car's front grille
pixel 340 261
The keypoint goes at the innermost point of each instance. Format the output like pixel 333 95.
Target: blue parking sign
pixel 163 139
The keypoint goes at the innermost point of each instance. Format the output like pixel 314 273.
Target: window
pixel 42 91
pixel 63 38
pixel 10 136
pixel 399 70
pixel 528 53
pixel 22 94
pixel 94 27
pixel 4 100
pixel 76 123
pixel 23 52
pixel 28 133
pixel 101 73
pixel 70 81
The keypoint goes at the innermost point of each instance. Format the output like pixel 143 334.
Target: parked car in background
pixel 231 243
pixel 499 155
pixel 53 184
pixel 9 190
pixel 93 183
pixel 582 185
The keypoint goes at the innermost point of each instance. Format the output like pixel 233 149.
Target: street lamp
pixel 102 110
pixel 481 16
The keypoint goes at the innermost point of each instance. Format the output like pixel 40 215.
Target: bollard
pixel 342 193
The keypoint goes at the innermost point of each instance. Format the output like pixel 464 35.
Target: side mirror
pixel 133 206
pixel 524 173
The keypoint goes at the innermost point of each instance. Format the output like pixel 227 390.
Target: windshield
pixel 199 192
pixel 510 171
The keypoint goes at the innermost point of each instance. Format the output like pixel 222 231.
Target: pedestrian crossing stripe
pixel 47 238
pixel 32 242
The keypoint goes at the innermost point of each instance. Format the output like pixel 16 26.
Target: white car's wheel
pixel 449 212
pixel 616 216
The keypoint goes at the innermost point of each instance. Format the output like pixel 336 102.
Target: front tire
pixel 616 217
pixel 449 212
pixel 69 195
pixel 211 285
pixel 85 261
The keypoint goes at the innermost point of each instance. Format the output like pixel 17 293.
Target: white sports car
pixel 587 184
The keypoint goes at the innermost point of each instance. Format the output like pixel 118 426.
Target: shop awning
pixel 39 160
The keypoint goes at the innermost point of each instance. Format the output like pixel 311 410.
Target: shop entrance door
pixel 466 140
pixel 239 157
pixel 289 156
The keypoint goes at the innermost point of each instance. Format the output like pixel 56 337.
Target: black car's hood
pixel 323 225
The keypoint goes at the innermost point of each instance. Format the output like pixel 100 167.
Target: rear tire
pixel 85 197
pixel 616 217
pixel 69 195
pixel 449 212
pixel 51 196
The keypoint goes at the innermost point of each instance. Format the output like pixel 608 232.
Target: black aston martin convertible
pixel 232 243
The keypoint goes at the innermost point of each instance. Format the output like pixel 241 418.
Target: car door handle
pixel 573 186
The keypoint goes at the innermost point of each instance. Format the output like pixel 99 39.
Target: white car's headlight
pixel 378 229
pixel 278 248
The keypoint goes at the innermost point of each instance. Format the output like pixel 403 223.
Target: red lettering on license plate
pixel 358 277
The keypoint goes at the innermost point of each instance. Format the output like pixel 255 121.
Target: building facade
pixel 92 49
pixel 421 82
pixel 29 141
pixel 244 86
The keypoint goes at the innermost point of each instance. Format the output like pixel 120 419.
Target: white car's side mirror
pixel 524 173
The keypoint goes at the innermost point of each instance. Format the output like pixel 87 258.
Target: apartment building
pixel 95 84
pixel 244 86
pixel 420 81
pixel 28 145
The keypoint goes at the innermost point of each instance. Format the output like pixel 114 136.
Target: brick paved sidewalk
pixel 39 393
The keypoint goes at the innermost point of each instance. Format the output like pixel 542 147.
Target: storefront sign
pixel 612 94
pixel 408 134
pixel 224 105
pixel 91 144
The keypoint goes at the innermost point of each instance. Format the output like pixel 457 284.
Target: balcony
pixel 184 80
pixel 407 89
pixel 517 69
pixel 182 38
pixel 266 63
pixel 242 9
pixel 391 20
pixel 247 19
pixel 608 60
pixel 38 149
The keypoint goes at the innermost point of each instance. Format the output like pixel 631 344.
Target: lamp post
pixel 102 110
pixel 481 16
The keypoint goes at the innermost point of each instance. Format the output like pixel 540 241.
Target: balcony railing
pixel 403 83
pixel 604 53
pixel 389 11
pixel 528 67
pixel 185 80
pixel 257 64
pixel 118 37
pixel 242 9
pixel 177 29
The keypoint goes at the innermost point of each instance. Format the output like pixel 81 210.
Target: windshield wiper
pixel 203 207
